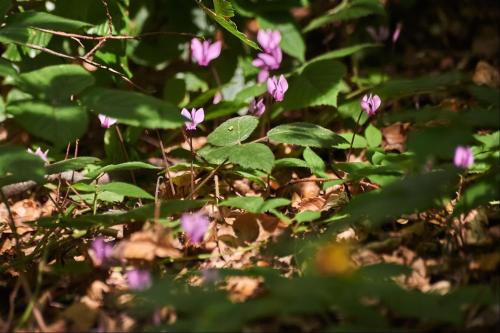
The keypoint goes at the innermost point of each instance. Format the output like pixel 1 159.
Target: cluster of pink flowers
pixel 271 58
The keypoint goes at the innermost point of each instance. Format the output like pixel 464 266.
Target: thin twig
pixel 207 178
pixel 346 186
pixel 115 37
pixel 354 135
pixel 165 161
pixel 90 62
pixel 125 153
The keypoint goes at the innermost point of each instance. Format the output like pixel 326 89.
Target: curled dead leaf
pixel 146 245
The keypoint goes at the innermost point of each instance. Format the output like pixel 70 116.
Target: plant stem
pixel 353 136
pixel 165 161
pixel 192 168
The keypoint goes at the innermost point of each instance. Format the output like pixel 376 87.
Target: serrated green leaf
pixel 229 25
pixel 132 108
pixel 315 163
pixel 249 155
pixel 224 8
pixel 57 124
pixel 305 134
pixel 233 131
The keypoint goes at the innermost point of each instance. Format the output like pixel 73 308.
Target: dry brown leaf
pixel 487 75
pixel 146 245
pixel 246 227
pixel 241 288
pixel 395 136
pixel 22 211
pixel 308 190
pixel 312 204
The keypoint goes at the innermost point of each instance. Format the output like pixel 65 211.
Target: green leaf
pixel 58 82
pixel 132 108
pixel 398 88
pixel 166 209
pixel 414 193
pixel 315 163
pixel 316 84
pixel 255 204
pixel 71 164
pixel 229 25
pixel 250 204
pixel 17 165
pixel 6 68
pixel 290 162
pixel 359 141
pixel 233 131
pixel 125 189
pixel 249 155
pixel 18 27
pixel 486 95
pixel 307 216
pixel 120 167
pixel 305 134
pixel 373 136
pixel 480 193
pixel 223 8
pixel 347 11
pixel 340 53
pixel 45 20
pixel 57 124
pixel 292 41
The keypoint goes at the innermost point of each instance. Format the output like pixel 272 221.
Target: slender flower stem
pixel 165 161
pixel 192 168
pixel 125 153
pixel 353 136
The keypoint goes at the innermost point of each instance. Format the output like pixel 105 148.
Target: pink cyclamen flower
pixel 101 250
pixel 217 98
pixel 271 60
pixel 277 87
pixel 38 152
pixel 269 40
pixel 263 75
pixel 463 157
pixel 257 107
pixel 106 122
pixel 370 104
pixel 204 52
pixel 379 35
pixel 397 32
pixel 139 279
pixel 195 117
pixel 195 225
